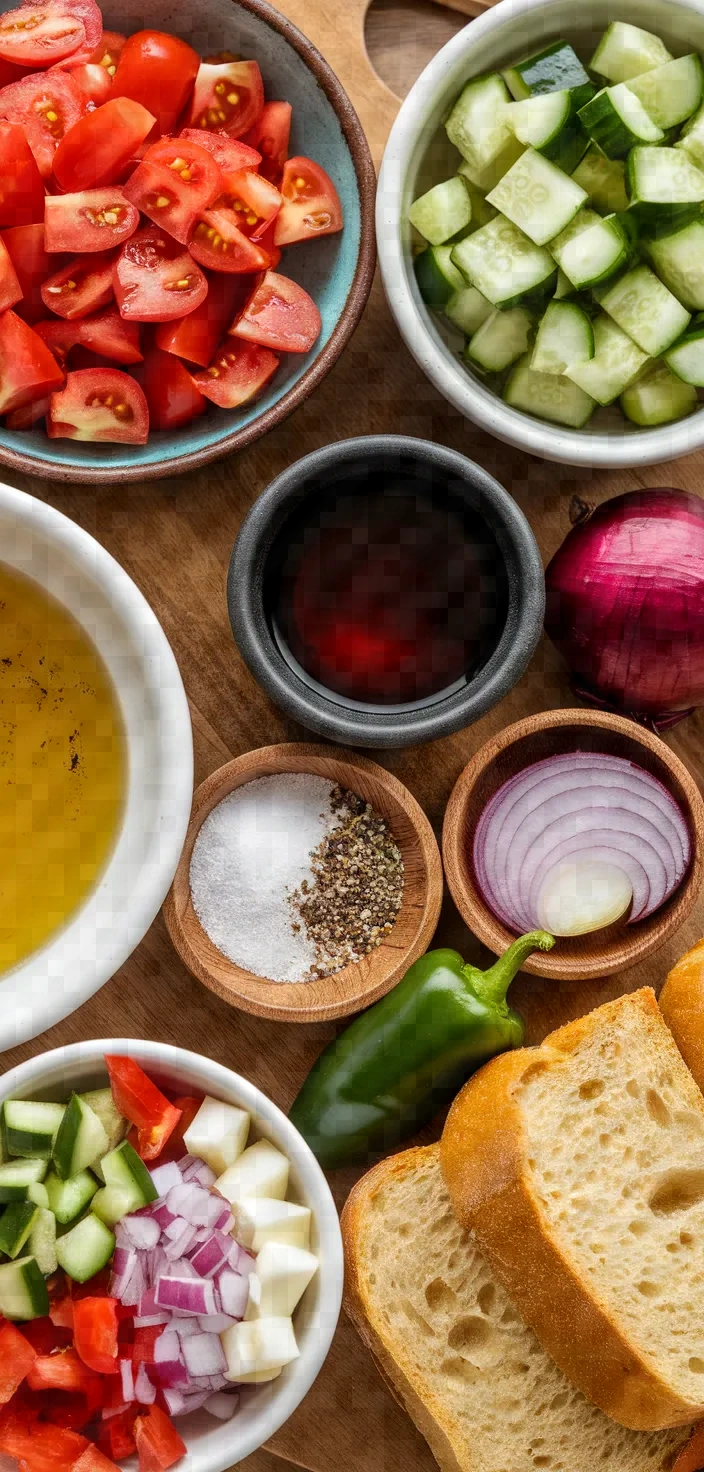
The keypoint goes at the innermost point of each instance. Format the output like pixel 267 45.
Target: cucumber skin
pixel 433 287
pixel 606 128
pixel 24 1144
pixel 694 334
pixel 35 1286
pixel 534 76
pixel 632 399
pixel 16 1224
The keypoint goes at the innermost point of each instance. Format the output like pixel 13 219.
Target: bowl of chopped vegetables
pixel 186 232
pixel 170 1262
pixel 539 225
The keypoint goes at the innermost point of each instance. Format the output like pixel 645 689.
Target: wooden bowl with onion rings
pixel 552 733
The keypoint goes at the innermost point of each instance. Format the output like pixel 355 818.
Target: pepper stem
pixel 494 983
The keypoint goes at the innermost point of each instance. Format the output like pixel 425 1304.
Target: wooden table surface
pixel 174 537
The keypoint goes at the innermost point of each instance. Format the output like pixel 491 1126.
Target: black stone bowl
pixel 354 722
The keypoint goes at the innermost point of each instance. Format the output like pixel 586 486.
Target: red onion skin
pixel 625 605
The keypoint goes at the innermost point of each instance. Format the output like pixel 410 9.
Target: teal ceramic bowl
pixel 337 270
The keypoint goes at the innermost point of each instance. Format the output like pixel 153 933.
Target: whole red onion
pixel 625 604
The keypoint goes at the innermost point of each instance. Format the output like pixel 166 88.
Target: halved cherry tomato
pixel 47 106
pixel 311 204
pixel 156 280
pixel 196 336
pixel 94 82
pixel 142 1103
pixel 227 98
pixel 95 219
pixel 21 187
pixel 218 243
pixel 62 1371
pixel 28 371
pixel 174 1148
pixel 25 244
pixel 159 71
pixel 101 405
pixel 158 1442
pixel 95 1333
pixel 172 396
pixel 40 35
pixel 87 11
pixel 281 315
pixel 84 285
pixel 16 1358
pixel 93 1460
pixel 270 135
pixel 230 154
pixel 108 51
pixel 254 200
pixel 40 1448
pixel 10 289
pixel 237 374
pixel 176 181
pixel 100 144
pixel 105 333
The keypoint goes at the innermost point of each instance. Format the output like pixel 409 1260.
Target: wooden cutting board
pixel 174 537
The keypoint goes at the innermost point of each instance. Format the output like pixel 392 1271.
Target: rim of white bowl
pixel 414 320
pixel 217 1079
pixel 33 1002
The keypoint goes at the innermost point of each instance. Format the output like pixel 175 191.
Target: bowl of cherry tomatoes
pixel 186 232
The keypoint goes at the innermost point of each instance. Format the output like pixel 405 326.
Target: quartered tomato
pixel 159 71
pixel 47 106
pixel 266 242
pixel 219 243
pixel 28 371
pixel 172 396
pixel 108 51
pixel 10 289
pixel 238 372
pixel 21 187
pixel 254 200
pixel 40 35
pixel 311 204
pixel 227 98
pixel 95 219
pixel 196 336
pixel 25 244
pixel 176 181
pixel 101 405
pixel 156 280
pixel 80 287
pixel 94 82
pixel 158 1442
pixel 104 333
pixel 280 315
pixel 230 154
pixel 270 135
pixel 100 144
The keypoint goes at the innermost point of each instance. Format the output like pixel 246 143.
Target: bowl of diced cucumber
pixel 540 222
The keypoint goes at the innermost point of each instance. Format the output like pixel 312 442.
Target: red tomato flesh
pixel 105 333
pixel 281 315
pixel 142 1103
pixel 176 181
pixel 196 337
pixel 47 106
pixel 174 1148
pixel 156 280
pixel 25 244
pixel 238 372
pixel 226 98
pixel 159 71
pixel 100 144
pixel 62 1371
pixel 108 51
pixel 271 135
pixel 95 219
pixel 28 371
pixel 230 154
pixel 219 244
pixel 158 1442
pixel 40 35
pixel 16 1359
pixel 42 1334
pixel 84 285
pixel 101 405
pixel 94 82
pixel 10 289
pixel 93 1460
pixel 172 396
pixel 21 188
pixel 86 11
pixel 311 204
pixel 40 1448
pixel 28 416
pixel 95 1326
pixel 254 200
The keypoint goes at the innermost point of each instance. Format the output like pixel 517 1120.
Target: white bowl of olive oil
pixel 96 766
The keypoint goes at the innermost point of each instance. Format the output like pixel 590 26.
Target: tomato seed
pixel 320 221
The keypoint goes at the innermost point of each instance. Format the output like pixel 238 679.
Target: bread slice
pixel 580 1166
pixel 475 1380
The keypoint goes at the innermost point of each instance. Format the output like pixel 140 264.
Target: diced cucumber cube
pixel 124 1171
pixel 679 262
pixel 658 397
pixel 38 1194
pixel 686 357
pixel 548 124
pixel 671 93
pixel 594 252
pixel 16 1224
pixel 482 212
pixel 111 1204
pixel 23 1292
pixel 67 1199
pixel 646 310
pixel 537 197
pixel 626 51
pixel 692 139
pixel 86 1249
pixel 80 1140
pixel 666 188
pixel 102 1103
pixel 504 265
pixel 436 276
pixel 547 397
pixel 443 212
pixel 564 287
pixel 616 363
pixel 555 69
pixel 604 180
pixel 29 1128
pixel 565 336
pixel 487 177
pixel 477 125
pixel 17 1175
pixel 467 309
pixel 500 340
pixel 42 1242
pixel 617 121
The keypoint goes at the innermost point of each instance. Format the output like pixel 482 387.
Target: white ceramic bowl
pixel 510 30
pixel 212 1445
pixel 87 951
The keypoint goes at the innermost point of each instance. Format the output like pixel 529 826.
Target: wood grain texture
pixel 175 537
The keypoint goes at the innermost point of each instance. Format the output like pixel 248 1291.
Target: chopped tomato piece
pixel 61 1313
pixel 47 106
pixel 42 1334
pixel 28 371
pixel 120 1431
pixel 94 82
pixel 80 287
pixel 158 1442
pixel 25 419
pixel 101 405
pixel 11 73
pixel 25 244
pixel 39 35
pixel 16 1358
pixel 266 243
pixel 95 1333
pixel 172 396
pixel 142 1103
pixel 98 146
pixel 219 244
pixel 195 338
pixel 105 333
pixel 254 200
pixel 143 1348
pixel 270 135
pixel 311 205
pixel 175 1148
pixel 174 183
pixel 22 191
pixel 93 1460
pixel 95 219
pixel 237 374
pixel 108 51
pixel 281 315
pixel 87 11
pixel 156 280
pixel 10 289
pixel 74 1409
pixel 230 154
pixel 159 71
pixel 97 1285
pixel 40 1448
pixel 226 98
pixel 62 1371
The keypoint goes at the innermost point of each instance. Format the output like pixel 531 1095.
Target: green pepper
pixel 401 1061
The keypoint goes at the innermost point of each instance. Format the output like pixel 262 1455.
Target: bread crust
pixel 484 1159
pixel 682 1006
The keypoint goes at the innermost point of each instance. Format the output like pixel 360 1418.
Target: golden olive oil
pixel 63 766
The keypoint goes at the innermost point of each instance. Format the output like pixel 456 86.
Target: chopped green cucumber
pixel 565 336
pixel 42 1242
pixel 594 252
pixel 617 121
pixel 17 1175
pixel 111 1204
pixel 671 93
pixel 124 1171
pixel 666 188
pixel 679 262
pixel 604 180
pixel 484 179
pixel 16 1224
pixel 443 212
pixel 547 397
pixel 555 69
pixel 467 309
pixel 482 212
pixel 102 1103
pixel 86 1249
pixel 616 363
pixel 438 279
pixel 68 1199
pixel 477 125
pixel 38 1194
pixel 626 51
pixel 658 397
pixel 537 197
pixel 500 340
pixel 642 305
pixel 29 1129
pixel 23 1292
pixel 686 356
pixel 564 287
pixel 504 265
pixel 548 124
pixel 692 139
pixel 81 1139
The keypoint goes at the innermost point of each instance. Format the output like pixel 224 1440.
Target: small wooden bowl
pixel 354 987
pixel 577 958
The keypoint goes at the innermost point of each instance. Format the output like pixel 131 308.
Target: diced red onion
pixel 222 1406
pixel 128 1393
pixel 247 1263
pixel 143 1232
pixel 180 1244
pixel 201 1173
pixel 189 1295
pixel 175 1402
pixel 216 1323
pixel 144 1391
pixel 150 1321
pixel 195 1401
pixel 167 1347
pixel 162 1215
pixel 211 1255
pixel 171 1375
pixel 165 1177
pixel 233 1291
pixel 123 1265
pixel 204 1355
pixel 109 1411
pixel 186 1328
pixel 185 1163
pixel 181 1200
